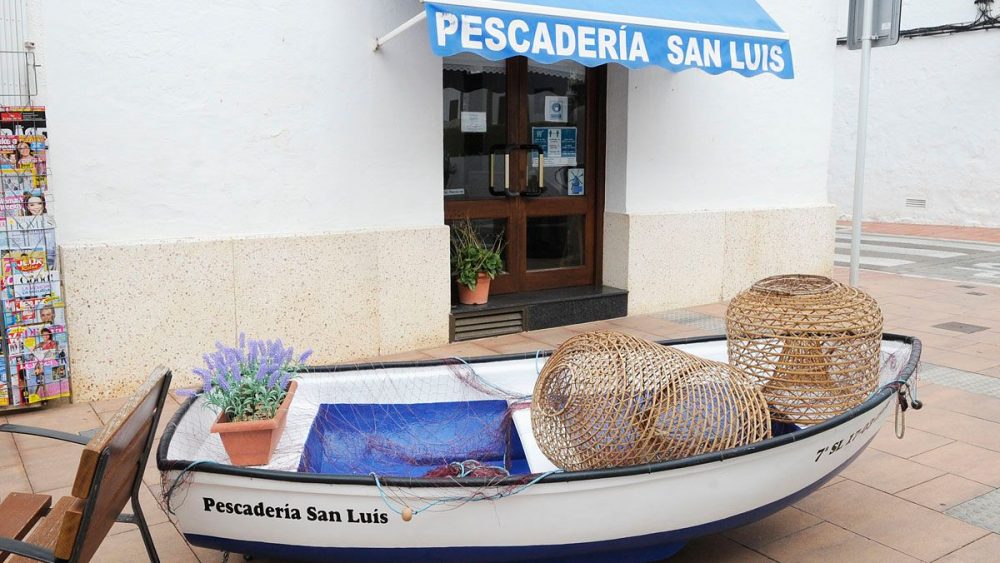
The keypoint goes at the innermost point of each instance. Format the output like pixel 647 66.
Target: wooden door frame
pixel 596 149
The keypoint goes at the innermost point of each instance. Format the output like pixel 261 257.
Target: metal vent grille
pixel 487 323
pixel 917 202
pixel 18 82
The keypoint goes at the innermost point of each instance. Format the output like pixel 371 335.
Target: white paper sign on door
pixel 473 122
pixel 556 109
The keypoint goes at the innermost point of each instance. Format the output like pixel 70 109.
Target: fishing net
pixel 813 343
pixel 440 421
pixel 397 422
pixel 606 399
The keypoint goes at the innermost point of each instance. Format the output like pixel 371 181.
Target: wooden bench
pixel 109 475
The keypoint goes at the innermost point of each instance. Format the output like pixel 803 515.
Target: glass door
pixel 520 161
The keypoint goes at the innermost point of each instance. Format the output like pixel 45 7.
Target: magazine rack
pixel 34 366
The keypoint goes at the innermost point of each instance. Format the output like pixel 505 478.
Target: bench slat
pixel 46 534
pixel 20 512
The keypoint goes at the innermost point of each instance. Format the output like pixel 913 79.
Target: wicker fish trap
pixel 606 399
pixel 811 341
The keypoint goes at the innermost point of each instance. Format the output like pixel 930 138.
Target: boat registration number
pixel 839 444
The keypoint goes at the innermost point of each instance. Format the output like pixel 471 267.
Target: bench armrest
pixel 26 549
pixel 44 432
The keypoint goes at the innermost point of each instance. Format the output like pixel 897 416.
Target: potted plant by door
pixel 475 263
pixel 251 387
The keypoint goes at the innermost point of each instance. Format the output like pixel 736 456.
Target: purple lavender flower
pixel 257 368
pixel 273 379
pixel 223 383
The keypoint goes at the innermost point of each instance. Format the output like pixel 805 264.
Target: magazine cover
pixel 29 234
pixel 26 274
pixel 23 151
pixel 34 310
pixel 38 341
pixel 44 380
pixel 38 356
pixel 4 385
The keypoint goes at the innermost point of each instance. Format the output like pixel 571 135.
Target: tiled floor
pixel 933 496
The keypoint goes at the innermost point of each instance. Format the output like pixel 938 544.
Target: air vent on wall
pixel 917 202
pixel 486 323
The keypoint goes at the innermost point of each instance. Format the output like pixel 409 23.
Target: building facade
pixel 930 124
pixel 255 167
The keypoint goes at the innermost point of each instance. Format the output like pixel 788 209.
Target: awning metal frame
pixel 379 41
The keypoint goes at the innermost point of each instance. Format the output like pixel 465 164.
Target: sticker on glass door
pixel 574 181
pixel 559 144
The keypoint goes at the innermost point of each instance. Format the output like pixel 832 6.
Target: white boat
pixel 637 513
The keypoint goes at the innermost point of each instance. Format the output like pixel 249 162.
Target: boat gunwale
pixel 884 392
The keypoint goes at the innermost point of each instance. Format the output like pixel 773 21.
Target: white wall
pixel 932 129
pixel 194 119
pixel 702 142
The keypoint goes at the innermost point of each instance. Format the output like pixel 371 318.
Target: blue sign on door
pixel 558 144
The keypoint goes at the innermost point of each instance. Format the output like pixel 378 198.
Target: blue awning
pixel 716 36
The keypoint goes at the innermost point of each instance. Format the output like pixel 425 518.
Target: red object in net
pixel 470 468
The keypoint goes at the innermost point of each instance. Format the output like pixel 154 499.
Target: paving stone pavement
pixel 973 262
pixel 982 511
pixel 933 496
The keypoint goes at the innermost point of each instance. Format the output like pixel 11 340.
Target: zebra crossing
pixel 975 262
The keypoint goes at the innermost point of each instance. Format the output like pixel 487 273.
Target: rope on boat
pixel 408 512
pixel 900 420
pixel 902 388
pixel 177 481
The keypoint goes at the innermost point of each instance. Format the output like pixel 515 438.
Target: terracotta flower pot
pixel 252 442
pixel 476 296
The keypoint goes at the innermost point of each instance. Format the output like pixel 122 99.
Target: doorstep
pixel 535 310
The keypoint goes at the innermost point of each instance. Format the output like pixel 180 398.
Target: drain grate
pixel 983 511
pixel 964 380
pixel 965 328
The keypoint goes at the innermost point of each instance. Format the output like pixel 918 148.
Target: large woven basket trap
pixel 606 399
pixel 813 343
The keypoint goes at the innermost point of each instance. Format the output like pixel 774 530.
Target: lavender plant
pixel 251 381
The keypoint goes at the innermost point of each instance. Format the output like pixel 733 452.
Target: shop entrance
pixel 498 117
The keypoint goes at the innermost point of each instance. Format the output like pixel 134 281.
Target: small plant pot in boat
pixel 252 442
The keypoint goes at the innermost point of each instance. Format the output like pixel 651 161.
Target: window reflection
pixel 555 242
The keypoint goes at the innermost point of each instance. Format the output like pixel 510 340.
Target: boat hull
pixel 627 514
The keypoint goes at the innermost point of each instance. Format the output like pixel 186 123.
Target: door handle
pixel 504 150
pixel 541 169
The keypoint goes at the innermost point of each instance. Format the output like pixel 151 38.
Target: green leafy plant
pixel 251 381
pixel 470 255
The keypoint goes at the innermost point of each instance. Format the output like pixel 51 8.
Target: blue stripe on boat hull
pixel 649 547
pixel 616 550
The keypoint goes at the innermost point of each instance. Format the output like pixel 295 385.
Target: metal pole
pixel 379 41
pixel 859 158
